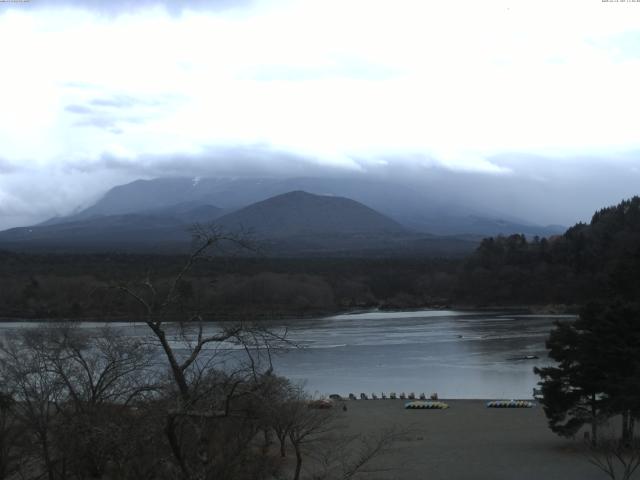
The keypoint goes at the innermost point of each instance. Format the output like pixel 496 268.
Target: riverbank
pixel 469 442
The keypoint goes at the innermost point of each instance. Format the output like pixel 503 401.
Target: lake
pixel 458 354
pixel 454 353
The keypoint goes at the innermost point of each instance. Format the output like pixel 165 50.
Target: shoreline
pixel 541 310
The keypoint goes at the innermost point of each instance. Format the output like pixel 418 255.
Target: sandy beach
pixel 469 442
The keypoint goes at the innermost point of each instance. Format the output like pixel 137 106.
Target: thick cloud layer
pixel 525 109
pixel 538 190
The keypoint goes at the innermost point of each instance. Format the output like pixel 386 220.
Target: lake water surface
pixel 458 354
pixel 454 353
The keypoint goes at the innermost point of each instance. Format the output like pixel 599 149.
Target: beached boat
pixel 509 404
pixel 426 405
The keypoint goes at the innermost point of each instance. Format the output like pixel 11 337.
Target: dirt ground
pixel 470 441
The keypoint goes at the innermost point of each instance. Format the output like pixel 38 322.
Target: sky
pixel 528 107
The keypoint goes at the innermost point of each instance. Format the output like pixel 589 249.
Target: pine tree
pixel 598 370
pixel 573 390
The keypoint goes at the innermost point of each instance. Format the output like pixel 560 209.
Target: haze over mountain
pixel 291 216
pixel 416 209
pixel 293 223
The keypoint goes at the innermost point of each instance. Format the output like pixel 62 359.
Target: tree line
pixel 598 259
pixel 587 261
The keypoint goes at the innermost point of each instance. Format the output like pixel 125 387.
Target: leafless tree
pixel 319 435
pixel 279 415
pixel 207 393
pixel 345 457
pixel 71 390
pixel 27 377
pixel 306 425
pixel 96 367
pixel 616 458
pixel 9 437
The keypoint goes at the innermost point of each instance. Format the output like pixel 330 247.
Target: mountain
pixel 161 229
pixel 295 223
pixel 301 213
pixel 419 209
pixel 301 223
pixel 294 215
pixel 491 226
pixel 188 212
pixel 114 232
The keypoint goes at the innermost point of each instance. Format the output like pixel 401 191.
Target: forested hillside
pixel 587 261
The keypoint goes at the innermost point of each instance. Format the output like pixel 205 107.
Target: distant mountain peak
pixel 298 212
pixel 312 206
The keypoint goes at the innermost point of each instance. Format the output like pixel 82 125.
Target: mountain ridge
pixel 413 207
pixel 311 215
pixel 296 223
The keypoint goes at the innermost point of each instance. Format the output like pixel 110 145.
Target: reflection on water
pixel 456 354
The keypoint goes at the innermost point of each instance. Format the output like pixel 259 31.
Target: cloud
pixel 78 109
pixel 471 94
pixel 122 101
pixel 7 167
pixel 102 120
pixel 111 113
pixel 102 104
pixel 339 67
pixel 328 79
pixel 536 189
pixel 122 7
pixel 247 161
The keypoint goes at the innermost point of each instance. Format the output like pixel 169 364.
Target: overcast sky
pixel 536 101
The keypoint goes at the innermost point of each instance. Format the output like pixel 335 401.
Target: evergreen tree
pixel 617 326
pixel 573 393
pixel 598 369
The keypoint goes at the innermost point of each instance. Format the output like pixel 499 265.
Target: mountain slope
pixel 113 232
pixel 292 224
pixel 164 229
pixel 302 213
pixel 416 208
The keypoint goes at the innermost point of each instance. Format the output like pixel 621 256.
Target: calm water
pixel 456 354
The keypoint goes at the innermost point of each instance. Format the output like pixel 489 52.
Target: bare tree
pixel 344 457
pixel 27 376
pixel 72 388
pixel 280 399
pixel 158 305
pixel 102 367
pixel 206 389
pixel 9 437
pixel 306 426
pixel 103 373
pixel 616 458
pixel 318 434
